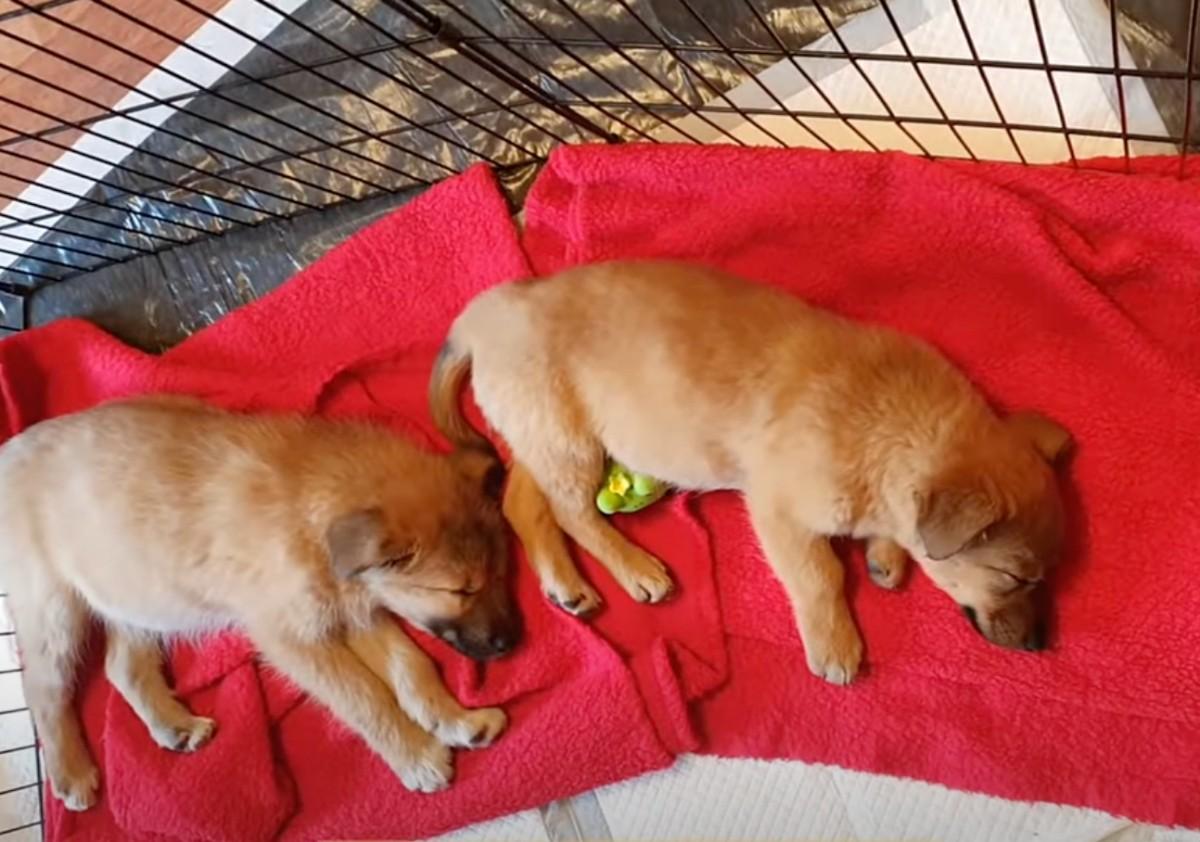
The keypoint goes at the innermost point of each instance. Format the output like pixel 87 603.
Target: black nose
pixel 1036 641
pixel 502 642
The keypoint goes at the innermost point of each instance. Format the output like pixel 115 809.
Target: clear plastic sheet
pixel 350 99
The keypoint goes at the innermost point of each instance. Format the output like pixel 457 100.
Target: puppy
pixel 163 516
pixel 827 426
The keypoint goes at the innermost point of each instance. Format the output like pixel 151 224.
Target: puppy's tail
pixel 450 372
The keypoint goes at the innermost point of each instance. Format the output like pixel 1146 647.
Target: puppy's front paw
pixel 576 597
pixel 187 736
pixel 430 769
pixel 76 788
pixel 886 563
pixel 476 729
pixel 644 577
pixel 836 654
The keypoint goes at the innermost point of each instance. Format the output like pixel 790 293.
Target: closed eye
pixel 1018 583
pixel 468 591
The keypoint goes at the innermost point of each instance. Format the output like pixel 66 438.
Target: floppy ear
pixel 357 541
pixel 951 518
pixel 483 467
pixel 1048 438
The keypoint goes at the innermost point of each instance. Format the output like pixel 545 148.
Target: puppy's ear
pixel 358 540
pixel 951 518
pixel 482 467
pixel 1048 437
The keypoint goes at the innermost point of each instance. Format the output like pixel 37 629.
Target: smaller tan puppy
pixel 163 516
pixel 829 428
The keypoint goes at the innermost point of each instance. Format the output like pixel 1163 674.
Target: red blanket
pixel 1073 292
pixel 1070 292
pixel 354 335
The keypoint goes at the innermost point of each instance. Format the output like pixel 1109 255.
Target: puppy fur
pixel 828 427
pixel 163 516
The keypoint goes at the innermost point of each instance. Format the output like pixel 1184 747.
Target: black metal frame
pixel 179 201
pixel 492 58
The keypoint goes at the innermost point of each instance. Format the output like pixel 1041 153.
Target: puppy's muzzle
pixel 481 643
pixel 1033 640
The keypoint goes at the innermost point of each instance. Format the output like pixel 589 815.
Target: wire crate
pixel 133 130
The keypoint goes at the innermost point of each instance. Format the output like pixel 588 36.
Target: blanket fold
pixel 1073 292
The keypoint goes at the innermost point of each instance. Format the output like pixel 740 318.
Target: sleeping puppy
pixel 163 516
pixel 827 426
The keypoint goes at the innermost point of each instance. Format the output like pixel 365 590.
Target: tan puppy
pixel 163 516
pixel 829 428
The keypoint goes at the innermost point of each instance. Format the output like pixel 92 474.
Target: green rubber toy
pixel 625 491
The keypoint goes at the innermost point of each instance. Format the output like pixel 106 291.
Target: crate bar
pixel 347 55
pixel 462 80
pixel 49 261
pixel 887 10
pixel 807 52
pixel 199 90
pixel 99 203
pixel 74 214
pixel 27 137
pixel 1116 60
pixel 38 222
pixel 170 132
pixel 54 165
pixel 938 121
pixel 21 827
pixel 1062 117
pixel 751 73
pixel 1187 106
pixel 400 130
pixel 179 42
pixel 13 14
pixel 446 33
pixel 136 148
pixel 628 99
pixel 221 87
pixel 291 18
pixel 837 36
pixel 700 76
pixel 37 773
pixel 582 62
pixel 966 31
pixel 333 115
pixel 30 274
pixel 808 78
pixel 73 250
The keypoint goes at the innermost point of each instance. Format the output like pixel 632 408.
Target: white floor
pixel 712 799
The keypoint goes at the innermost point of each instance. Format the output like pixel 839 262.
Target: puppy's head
pixel 992 523
pixel 439 560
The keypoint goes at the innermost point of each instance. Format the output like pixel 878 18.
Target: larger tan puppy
pixel 829 428
pixel 164 516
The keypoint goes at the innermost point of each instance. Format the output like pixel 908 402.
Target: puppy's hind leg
pixel 569 480
pixel 528 511
pixel 134 664
pixel 52 623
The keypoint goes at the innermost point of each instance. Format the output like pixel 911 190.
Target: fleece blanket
pixel 1068 291
pixel 1074 292
pixel 353 336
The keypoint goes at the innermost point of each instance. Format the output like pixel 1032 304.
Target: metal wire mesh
pixel 130 127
